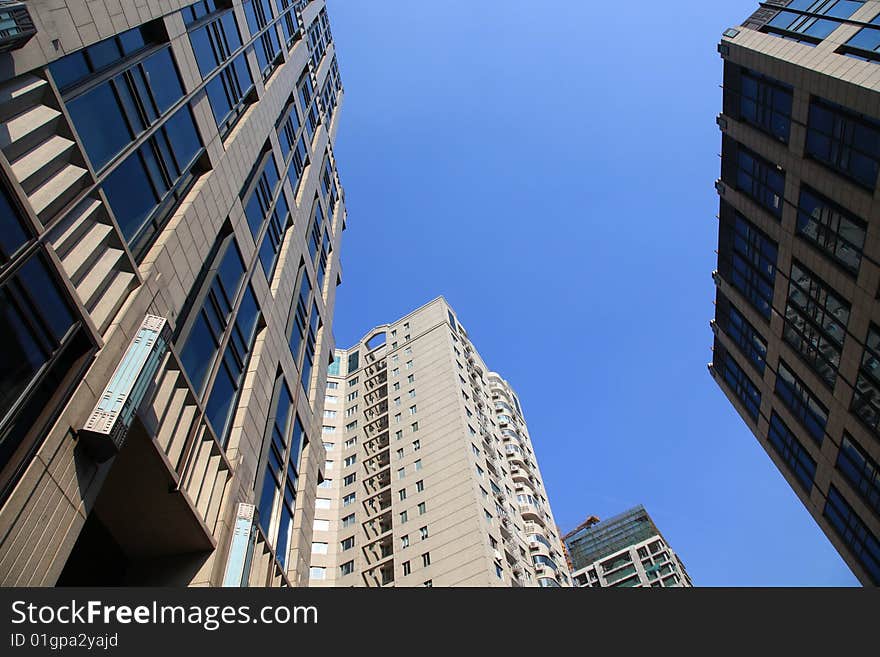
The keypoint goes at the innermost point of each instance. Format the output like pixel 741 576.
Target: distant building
pixel 624 551
pixel 431 476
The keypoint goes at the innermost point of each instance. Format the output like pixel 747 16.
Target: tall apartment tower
pixel 624 551
pixel 431 478
pixel 797 318
pixel 170 226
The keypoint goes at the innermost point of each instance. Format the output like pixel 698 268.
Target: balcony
pixel 158 512
pixel 375 464
pixel 378 550
pixel 375 395
pixel 376 444
pixel 375 427
pixel 380 574
pixel 377 503
pixel 506 526
pixel 377 410
pixel 378 482
pixel 377 381
pixel 378 526
pixel 531 512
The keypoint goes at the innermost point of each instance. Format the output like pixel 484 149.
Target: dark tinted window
pixel 836 232
pixel 846 142
pixel 765 104
pixel 802 403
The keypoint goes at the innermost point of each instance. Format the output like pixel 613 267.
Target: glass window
pixel 230 93
pixel 259 193
pixel 864 44
pixel 863 545
pixel 13 234
pixel 164 165
pixel 747 260
pixel 765 104
pixel 834 231
pixel 319 38
pixel 221 402
pixel 309 357
pixel 737 380
pixel 277 436
pixel 860 470
pixel 225 273
pixel 298 319
pixel 760 179
pixel 279 222
pixel 110 115
pixel 76 68
pixel 844 141
pixel 328 185
pixel 811 26
pixel 43 343
pixel 288 22
pixel 803 404
pixel 267 48
pixel 792 452
pixel 101 123
pixel 750 343
pixel 866 396
pixel 815 322
pixel 807 29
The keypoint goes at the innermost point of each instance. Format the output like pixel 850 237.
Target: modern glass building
pixel 626 550
pixel 170 223
pixel 431 477
pixel 797 318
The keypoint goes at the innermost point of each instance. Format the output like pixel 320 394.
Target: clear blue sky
pixel 548 168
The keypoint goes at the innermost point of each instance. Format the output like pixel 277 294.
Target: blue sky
pixel 548 168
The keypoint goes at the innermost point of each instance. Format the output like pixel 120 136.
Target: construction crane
pixel 589 522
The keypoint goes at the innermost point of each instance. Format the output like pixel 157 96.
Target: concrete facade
pixel 160 512
pixel 428 454
pixel 796 310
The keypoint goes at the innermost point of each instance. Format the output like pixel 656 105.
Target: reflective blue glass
pixel 131 202
pixel 100 124
pixel 12 234
pixel 163 79
pixel 184 138
pixel 792 452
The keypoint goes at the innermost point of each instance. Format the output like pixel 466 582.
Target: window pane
pixel 163 79
pixel 99 123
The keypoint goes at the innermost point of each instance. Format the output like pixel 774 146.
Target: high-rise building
pixel 797 318
pixel 624 551
pixel 169 232
pixel 431 478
